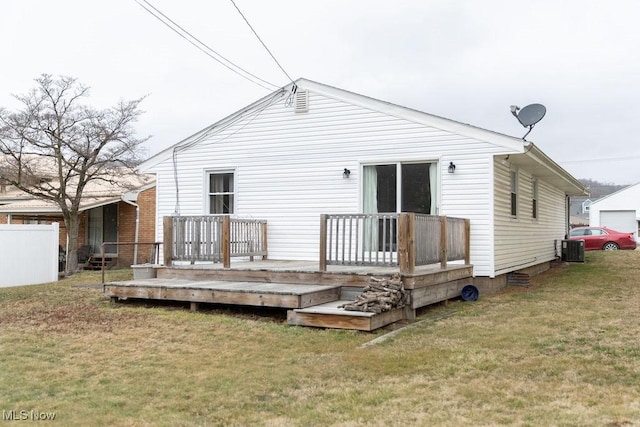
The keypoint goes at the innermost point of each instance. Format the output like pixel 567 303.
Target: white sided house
pixel 619 211
pixel 295 155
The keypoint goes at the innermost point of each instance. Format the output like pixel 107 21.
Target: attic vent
pixel 302 101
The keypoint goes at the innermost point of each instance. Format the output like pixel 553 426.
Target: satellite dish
pixel 529 115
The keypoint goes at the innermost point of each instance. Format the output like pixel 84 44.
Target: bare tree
pixel 55 145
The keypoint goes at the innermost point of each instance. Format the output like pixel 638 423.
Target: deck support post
pixel 193 306
pixel 264 240
pixel 226 242
pixel 443 242
pixel 467 241
pixel 323 243
pixel 167 240
pixel 409 313
pixel 406 243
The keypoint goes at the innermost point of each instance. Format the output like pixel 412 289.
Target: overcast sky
pixel 466 60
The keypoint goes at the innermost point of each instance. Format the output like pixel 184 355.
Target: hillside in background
pixel 599 189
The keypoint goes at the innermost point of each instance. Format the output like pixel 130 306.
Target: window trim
pixel 208 193
pixel 534 198
pixel 513 192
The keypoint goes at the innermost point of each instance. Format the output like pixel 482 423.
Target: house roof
pixel 524 153
pixel 633 188
pixel 97 193
pixel 36 206
pixel 625 199
pixel 543 167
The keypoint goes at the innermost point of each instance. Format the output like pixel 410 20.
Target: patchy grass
pixel 564 351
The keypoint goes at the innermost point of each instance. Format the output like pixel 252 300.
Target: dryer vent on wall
pixel 302 101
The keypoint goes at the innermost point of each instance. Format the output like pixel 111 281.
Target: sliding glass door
pixel 103 227
pixel 394 188
pixel 400 187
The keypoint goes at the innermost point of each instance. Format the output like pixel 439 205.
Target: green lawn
pixel 565 351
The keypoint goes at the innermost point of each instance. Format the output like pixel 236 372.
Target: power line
pixel 265 46
pixel 601 159
pixel 199 45
pixel 217 129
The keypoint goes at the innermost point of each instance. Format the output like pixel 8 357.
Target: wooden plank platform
pixel 328 315
pixel 311 296
pixel 307 272
pixel 282 295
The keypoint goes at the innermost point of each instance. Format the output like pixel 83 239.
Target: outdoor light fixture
pixel 452 167
pixel 346 173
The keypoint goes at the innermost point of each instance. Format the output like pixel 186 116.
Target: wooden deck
pixel 311 296
pixel 281 295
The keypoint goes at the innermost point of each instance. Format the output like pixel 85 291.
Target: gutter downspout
pixel 567 225
pixel 137 230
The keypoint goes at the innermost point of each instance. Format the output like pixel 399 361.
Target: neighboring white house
pixel 619 211
pixel 294 155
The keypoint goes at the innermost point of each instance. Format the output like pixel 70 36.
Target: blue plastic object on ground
pixel 469 293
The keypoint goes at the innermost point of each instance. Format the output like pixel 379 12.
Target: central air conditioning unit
pixel 573 250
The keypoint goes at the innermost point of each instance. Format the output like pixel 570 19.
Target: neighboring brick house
pixel 146 206
pixel 107 214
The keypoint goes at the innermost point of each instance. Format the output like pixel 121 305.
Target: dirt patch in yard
pixel 83 310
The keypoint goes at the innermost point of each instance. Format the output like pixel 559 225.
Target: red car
pixel 596 238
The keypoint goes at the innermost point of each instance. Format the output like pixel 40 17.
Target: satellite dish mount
pixel 529 115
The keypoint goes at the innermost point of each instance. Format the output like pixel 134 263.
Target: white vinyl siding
pixel 288 170
pixel 524 241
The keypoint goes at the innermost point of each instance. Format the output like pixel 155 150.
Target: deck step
pixel 328 315
pixel 224 292
pixel 95 263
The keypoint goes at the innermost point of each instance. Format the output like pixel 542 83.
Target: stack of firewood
pixel 379 295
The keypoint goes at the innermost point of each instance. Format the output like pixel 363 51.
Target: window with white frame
pixel 220 192
pixel 514 193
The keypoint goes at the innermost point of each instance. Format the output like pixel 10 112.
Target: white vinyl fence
pixel 28 254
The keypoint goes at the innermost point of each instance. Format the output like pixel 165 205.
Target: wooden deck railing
pixel 214 238
pixel 405 240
